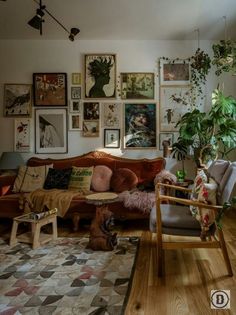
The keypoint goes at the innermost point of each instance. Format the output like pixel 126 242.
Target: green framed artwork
pixel 137 85
pixel 140 126
pixel 100 76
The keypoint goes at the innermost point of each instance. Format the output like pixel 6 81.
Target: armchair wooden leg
pixel 159 257
pixel 225 253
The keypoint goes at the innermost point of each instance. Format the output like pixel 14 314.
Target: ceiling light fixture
pixel 37 21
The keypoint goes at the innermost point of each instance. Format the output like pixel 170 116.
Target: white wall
pixel 20 59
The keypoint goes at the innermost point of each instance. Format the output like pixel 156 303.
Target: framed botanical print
pixel 175 101
pixel 76 78
pixel 165 136
pixel 137 85
pixel 17 100
pixel 111 138
pixel 174 72
pixel 91 128
pixel 100 76
pixel 50 89
pixel 91 111
pixel 75 122
pixel 75 92
pixel 22 128
pixel 51 130
pixel 140 126
pixel 111 115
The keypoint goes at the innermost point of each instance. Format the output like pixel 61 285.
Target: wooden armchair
pixel 176 219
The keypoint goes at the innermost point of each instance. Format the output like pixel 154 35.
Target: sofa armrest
pixel 6 184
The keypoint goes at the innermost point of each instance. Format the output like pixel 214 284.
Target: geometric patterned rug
pixel 64 277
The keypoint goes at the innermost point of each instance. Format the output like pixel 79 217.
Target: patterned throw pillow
pixel 57 178
pixel 80 178
pixel 199 180
pixel 31 178
pixel 101 178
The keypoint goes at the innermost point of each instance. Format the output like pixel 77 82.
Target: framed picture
pixel 22 128
pixel 111 138
pixel 75 106
pixel 75 122
pixel 165 136
pixel 174 72
pixel 91 111
pixel 91 128
pixel 137 85
pixel 174 103
pixel 51 130
pixel 76 78
pixel 140 126
pixel 75 92
pixel 50 89
pixel 100 76
pixel 17 100
pixel 111 115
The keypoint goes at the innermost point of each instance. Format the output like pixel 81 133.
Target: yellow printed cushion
pixel 80 178
pixel 31 178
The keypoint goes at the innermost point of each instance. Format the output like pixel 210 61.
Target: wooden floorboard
pixel 190 274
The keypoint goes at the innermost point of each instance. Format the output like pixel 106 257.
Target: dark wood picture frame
pixel 50 89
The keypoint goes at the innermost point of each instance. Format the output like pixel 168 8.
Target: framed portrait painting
pixel 100 76
pixel 137 85
pixel 111 138
pixel 111 115
pixel 51 130
pixel 22 128
pixel 17 100
pixel 174 103
pixel 140 126
pixel 50 89
pixel 174 72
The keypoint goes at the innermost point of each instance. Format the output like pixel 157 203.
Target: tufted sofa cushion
pixel 101 178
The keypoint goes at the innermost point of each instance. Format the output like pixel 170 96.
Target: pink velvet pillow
pixel 101 178
pixel 123 179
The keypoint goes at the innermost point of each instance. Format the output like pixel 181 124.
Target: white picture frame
pixel 111 115
pixel 22 135
pixel 165 136
pixel 76 106
pixel 75 122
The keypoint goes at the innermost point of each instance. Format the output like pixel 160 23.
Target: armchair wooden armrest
pixel 158 185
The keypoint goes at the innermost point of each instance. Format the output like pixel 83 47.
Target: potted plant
pixel 224 56
pixel 214 131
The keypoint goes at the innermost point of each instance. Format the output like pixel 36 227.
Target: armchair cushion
pixel 217 169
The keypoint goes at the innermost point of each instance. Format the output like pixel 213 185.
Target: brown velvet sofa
pixel 145 169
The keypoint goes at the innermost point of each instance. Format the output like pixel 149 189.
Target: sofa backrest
pixel 145 169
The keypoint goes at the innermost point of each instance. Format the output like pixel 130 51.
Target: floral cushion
pixel 57 178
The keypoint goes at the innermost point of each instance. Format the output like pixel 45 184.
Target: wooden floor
pixel 190 274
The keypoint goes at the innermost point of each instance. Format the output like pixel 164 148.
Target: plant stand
pixel 35 236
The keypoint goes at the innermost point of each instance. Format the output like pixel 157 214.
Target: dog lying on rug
pixel 100 236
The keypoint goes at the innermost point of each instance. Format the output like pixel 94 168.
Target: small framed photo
pixel 91 111
pixel 91 128
pixel 76 78
pixel 111 138
pixel 17 100
pixel 174 72
pixel 75 92
pixel 137 85
pixel 140 126
pixel 50 89
pixel 75 122
pixel 165 136
pixel 22 128
pixel 75 106
pixel 51 130
pixel 100 76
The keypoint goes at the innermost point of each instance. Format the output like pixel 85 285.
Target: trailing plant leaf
pixel 224 56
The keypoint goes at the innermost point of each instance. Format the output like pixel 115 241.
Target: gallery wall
pixel 19 59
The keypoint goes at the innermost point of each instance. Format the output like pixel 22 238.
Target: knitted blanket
pixel 41 200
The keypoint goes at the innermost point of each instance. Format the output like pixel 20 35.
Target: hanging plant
pixel 200 64
pixel 224 56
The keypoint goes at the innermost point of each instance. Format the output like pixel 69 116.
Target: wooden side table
pixel 35 236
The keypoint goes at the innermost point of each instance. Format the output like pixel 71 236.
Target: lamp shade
pixel 11 161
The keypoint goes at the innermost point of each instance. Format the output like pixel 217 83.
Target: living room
pixel 141 37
